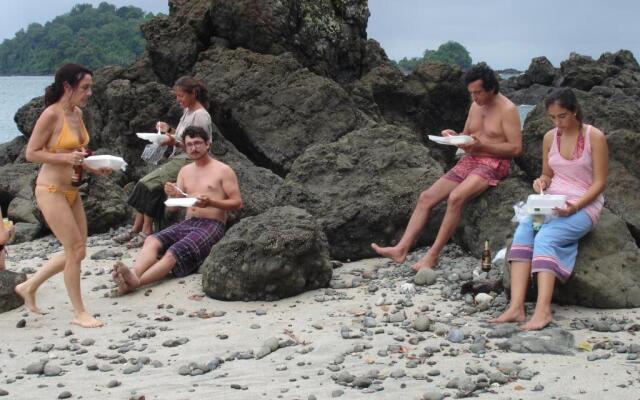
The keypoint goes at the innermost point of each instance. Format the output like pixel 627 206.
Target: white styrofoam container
pixel 545 203
pixel 452 140
pixel 105 161
pixel 180 201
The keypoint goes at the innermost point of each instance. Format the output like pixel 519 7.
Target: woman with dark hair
pixel 58 141
pixel 575 164
pixel 148 195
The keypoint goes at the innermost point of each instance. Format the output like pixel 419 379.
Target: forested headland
pixel 90 36
pixel 451 52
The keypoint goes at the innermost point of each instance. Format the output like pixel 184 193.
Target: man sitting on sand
pixel 494 124
pixel 187 244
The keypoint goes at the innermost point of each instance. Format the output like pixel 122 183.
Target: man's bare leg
pixel 472 186
pixel 419 218
pixel 147 225
pixel 542 315
pixel 27 290
pixel 520 272
pixel 156 272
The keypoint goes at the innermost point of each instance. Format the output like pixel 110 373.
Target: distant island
pixel 451 52
pixel 93 37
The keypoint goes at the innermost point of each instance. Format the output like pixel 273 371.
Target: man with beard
pixel 186 245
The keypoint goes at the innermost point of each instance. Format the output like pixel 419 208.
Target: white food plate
pixel 452 140
pixel 180 201
pixel 543 204
pixel 155 138
pixel 105 161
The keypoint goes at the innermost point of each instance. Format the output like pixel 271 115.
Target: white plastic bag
pixel 153 153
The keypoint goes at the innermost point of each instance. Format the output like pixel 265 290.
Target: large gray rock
pixel 541 71
pixel 607 271
pixel 8 297
pixel 429 100
pixel 270 107
pixel 583 72
pixel 277 254
pixel 363 187
pixel 623 184
pixel 16 192
pixel 105 204
pixel 326 36
pixel 488 217
pixel 10 150
pixel 173 43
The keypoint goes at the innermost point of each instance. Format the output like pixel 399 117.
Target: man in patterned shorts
pixel 187 244
pixel 494 124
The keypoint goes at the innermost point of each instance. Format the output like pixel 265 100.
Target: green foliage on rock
pixel 90 36
pixel 451 52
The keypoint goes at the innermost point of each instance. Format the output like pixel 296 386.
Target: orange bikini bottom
pixel 70 195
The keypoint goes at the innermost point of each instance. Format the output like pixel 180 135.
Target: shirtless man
pixel 188 243
pixel 494 124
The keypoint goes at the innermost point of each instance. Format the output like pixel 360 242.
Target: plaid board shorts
pixel 493 169
pixel 190 242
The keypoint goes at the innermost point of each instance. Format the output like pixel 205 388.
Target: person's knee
pixel 456 200
pixel 427 199
pixel 152 242
pixel 76 252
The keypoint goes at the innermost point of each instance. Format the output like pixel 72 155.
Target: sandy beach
pixel 322 344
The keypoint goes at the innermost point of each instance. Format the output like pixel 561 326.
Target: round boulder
pixel 279 253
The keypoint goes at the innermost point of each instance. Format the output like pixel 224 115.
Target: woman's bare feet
pixel 515 314
pixel 29 298
pixel 395 253
pixel 85 320
pixel 539 320
pixel 427 261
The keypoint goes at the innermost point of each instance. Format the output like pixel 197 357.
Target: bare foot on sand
pixel 126 279
pixel 510 315
pixel 427 261
pixel 29 298
pixel 395 253
pixel 538 321
pixel 85 320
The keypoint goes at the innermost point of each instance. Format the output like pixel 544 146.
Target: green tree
pixel 451 52
pixel 94 37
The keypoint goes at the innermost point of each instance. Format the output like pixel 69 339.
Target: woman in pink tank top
pixel 574 163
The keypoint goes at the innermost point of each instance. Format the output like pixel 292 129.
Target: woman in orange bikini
pixel 58 142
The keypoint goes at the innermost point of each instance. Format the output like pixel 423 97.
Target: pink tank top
pixel 574 177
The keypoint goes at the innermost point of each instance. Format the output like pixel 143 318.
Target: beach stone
pixel 36 368
pixel 433 396
pixel 549 341
pixel 8 297
pixel 105 204
pixel 455 336
pixel 349 185
pixel 65 395
pixel 426 277
pixel 421 323
pixel 3 392
pixel 113 383
pixel 277 254
pixel 51 370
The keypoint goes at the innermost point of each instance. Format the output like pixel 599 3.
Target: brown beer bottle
pixel 76 175
pixel 486 257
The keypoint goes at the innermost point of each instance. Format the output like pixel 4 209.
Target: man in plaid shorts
pixel 186 245
pixel 494 124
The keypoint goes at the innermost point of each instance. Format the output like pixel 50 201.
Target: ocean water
pixel 15 91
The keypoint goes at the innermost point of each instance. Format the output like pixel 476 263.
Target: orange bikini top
pixel 67 140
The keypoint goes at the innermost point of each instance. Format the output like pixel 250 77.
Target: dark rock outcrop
pixel 363 187
pixel 105 204
pixel 10 151
pixel 277 254
pixel 541 71
pixel 326 36
pixel 272 108
pixel 8 297
pixel 606 274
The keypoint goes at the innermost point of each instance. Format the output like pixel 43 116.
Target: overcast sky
pixel 504 33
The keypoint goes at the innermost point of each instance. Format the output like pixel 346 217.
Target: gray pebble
pixel 52 370
pixel 113 383
pixel 421 324
pixel 425 277
pixel 455 336
pixel 64 395
pixel 21 324
pixel 337 393
pixel 88 342
pixel 36 368
pixel 433 396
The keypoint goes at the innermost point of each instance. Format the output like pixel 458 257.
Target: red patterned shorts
pixel 493 169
